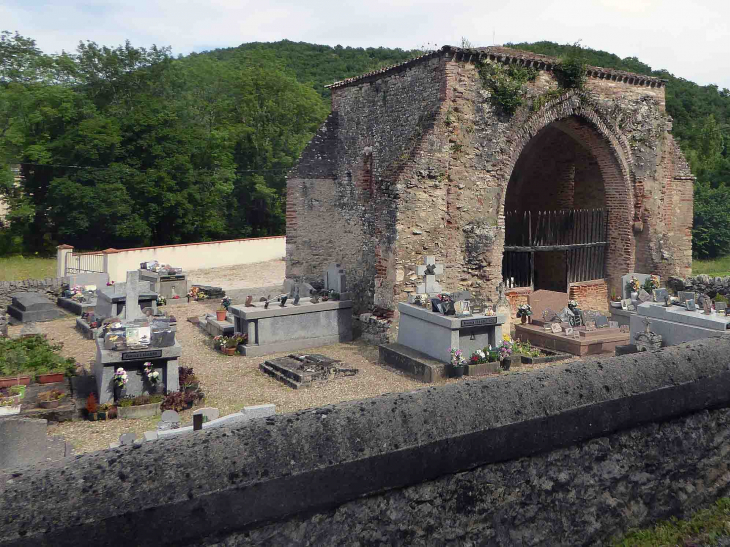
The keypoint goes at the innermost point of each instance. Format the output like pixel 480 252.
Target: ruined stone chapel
pixel 570 191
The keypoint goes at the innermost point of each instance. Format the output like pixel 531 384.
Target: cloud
pixel 690 41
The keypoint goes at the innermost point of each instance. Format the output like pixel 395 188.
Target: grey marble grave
pixel 111 301
pixel 676 324
pixel 27 306
pixel 167 285
pixel 291 328
pixel 435 335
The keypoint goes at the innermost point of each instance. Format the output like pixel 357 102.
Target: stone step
pixel 65 412
pixel 278 376
pixel 412 362
pixel 275 364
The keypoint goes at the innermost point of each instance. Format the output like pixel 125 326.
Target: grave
pixel 302 371
pixel 543 300
pixel 585 333
pixel 162 350
pixel 111 301
pixel 676 324
pixel 293 327
pixel 169 285
pixel 26 307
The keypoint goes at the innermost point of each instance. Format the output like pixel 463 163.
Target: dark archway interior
pixel 556 171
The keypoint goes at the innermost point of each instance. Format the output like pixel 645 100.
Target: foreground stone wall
pixel 566 456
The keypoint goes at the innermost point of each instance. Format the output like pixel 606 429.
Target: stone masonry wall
pixel 569 455
pixel 590 295
pixel 342 197
pixel 417 161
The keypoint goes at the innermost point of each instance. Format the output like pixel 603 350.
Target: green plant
pixel 125 402
pixel 506 83
pixel 52 395
pixel 32 356
pixel 571 73
pixel 718 298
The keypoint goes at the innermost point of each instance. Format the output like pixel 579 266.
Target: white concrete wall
pixel 196 256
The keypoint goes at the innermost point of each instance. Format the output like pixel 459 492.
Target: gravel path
pixel 242 276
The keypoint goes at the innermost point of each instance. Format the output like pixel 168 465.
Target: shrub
pixel 32 356
pixel 711 231
pixel 506 84
pixel 91 404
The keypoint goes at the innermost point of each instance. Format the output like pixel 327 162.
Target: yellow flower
pixel 506 338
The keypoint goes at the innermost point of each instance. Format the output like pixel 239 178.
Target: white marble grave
pixel 429 270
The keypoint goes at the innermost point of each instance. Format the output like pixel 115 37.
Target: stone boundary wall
pixel 570 455
pixel 48 287
pixel 702 283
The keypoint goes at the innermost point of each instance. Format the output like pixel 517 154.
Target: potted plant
pixel 50 377
pixel 16 362
pixel 143 406
pixel 651 283
pixel 8 406
pixel 102 412
pixel 226 302
pixel 230 344
pixel 505 354
pixel 633 287
pixel 188 380
pixel 8 397
pixel 457 363
pixel 524 311
pixel 153 377
pixel 120 380
pixel 92 407
pixel 50 399
pixel 242 341
pixel 220 314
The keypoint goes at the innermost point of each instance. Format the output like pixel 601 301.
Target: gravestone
pixel 127 439
pixel 303 371
pixel 335 279
pixel 429 270
pixel 542 300
pixel 625 279
pixel 169 420
pixel 209 413
pixel 28 306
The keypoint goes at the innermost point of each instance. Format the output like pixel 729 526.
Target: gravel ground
pixel 230 383
pixel 242 276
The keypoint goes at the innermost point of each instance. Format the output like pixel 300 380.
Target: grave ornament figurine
pixel 282 299
pixel 314 296
pixel 648 340
pixel 249 301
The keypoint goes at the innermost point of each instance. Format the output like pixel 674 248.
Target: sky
pixel 690 40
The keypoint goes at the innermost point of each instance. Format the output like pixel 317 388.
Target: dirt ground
pixel 243 276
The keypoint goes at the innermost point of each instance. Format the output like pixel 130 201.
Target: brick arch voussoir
pixel 614 159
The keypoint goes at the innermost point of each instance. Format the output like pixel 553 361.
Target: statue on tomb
pixel 648 340
pixel 249 301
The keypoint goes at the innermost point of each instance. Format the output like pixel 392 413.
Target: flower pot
pixel 140 411
pixel 506 363
pixel 230 351
pixel 93 416
pixel 634 296
pixel 101 415
pixel 9 410
pixel 241 349
pixel 220 315
pixel 50 378
pixel 524 319
pixel 14 399
pixel 457 371
pixel 7 382
pixel 49 404
pixel 118 392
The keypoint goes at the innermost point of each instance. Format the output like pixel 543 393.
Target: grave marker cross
pixel 429 270
pixel 131 304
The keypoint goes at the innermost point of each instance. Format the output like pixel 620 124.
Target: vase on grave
pixel 118 392
pixel 634 296
pixel 457 371
pixel 524 319
pixel 506 363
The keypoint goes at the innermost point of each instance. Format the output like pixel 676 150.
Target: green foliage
pixel 711 233
pixel 32 356
pixel 572 71
pixel 705 527
pixel 506 84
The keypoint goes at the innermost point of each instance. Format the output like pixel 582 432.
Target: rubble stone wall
pixel 570 455
pixel 394 189
pixel 50 287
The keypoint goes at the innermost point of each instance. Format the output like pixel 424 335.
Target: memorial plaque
pixel 590 325
pixel 565 324
pixel 601 322
pixel 139 355
pixel 625 303
pixel 720 307
pixel 556 328
pixel 686 295
pixel 479 321
pixel 569 331
pixel 613 324
pixel 691 306
pixel 462 308
pixel 660 295
pixel 548 326
pixel 644 296
pixel 624 328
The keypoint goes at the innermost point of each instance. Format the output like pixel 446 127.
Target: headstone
pixel 169 420
pixel 209 413
pixel 542 300
pixel 429 270
pixel 335 279
pixel 126 438
pixel 625 280
pixel 132 310
pixel 461 295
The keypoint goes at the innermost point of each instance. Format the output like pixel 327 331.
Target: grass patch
pixel 717 266
pixel 17 268
pixel 705 527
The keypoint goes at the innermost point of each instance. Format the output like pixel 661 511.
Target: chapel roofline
pixel 507 56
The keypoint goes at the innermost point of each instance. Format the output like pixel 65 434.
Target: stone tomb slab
pixel 293 328
pixel 542 300
pixel 30 307
pixel 604 344
pixel 167 285
pixel 676 324
pixel 435 335
pixel 302 371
